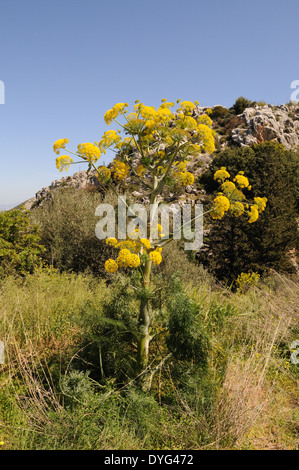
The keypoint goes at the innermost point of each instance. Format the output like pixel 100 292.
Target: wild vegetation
pixel 175 349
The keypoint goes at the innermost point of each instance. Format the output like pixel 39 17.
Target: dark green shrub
pixel 219 112
pixel 20 243
pixel 240 104
pixel 186 338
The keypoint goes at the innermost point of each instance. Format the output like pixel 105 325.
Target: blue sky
pixel 65 62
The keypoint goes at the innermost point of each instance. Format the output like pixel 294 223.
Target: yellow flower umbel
pixel 261 203
pixel 114 112
pixel 147 112
pixel 253 213
pixel 146 243
pixel 221 205
pixel 89 152
pixel 134 261
pixel 63 162
pixel 111 241
pixel 186 107
pixel 241 180
pixel 237 208
pixel 185 178
pixel 109 138
pixel 104 174
pixel 228 187
pixel 120 170
pixel 111 266
pixel 60 144
pixel 156 257
pixel 204 119
pixel 124 257
pixel 221 175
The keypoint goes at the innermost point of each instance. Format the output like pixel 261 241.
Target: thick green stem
pixel 144 321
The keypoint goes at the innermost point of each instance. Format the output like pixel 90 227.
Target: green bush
pixel 20 243
pixel 67 224
pixel 240 104
pixel 186 338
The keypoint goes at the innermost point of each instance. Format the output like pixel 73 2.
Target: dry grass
pixel 256 405
pixel 260 390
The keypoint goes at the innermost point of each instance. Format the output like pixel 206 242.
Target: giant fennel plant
pixel 166 141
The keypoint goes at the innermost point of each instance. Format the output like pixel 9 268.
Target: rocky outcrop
pixel 79 180
pixel 268 123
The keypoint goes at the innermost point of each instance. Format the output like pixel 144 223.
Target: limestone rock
pixel 268 123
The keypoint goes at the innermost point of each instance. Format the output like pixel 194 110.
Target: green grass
pixel 50 397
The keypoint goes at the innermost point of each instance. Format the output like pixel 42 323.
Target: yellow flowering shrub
pixel 156 146
pixel 246 280
pixel 156 134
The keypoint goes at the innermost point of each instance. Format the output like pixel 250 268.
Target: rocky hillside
pixel 264 123
pixel 258 122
